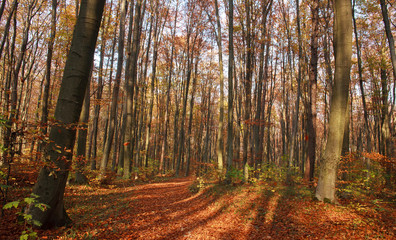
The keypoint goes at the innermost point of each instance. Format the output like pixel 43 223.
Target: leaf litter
pixel 168 210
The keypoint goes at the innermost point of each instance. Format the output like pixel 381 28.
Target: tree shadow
pixel 274 216
pixel 164 210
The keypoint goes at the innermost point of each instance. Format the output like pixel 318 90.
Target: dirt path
pixel 165 210
pixel 168 210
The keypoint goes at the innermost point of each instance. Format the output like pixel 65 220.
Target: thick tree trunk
pixel 325 190
pixel 52 178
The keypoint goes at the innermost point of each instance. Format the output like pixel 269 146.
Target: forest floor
pixel 169 210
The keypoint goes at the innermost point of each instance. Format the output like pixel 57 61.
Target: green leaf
pixel 33 234
pixel 34 195
pixel 37 223
pixel 42 206
pixel 24 236
pixel 27 217
pixel 11 204
pixel 29 200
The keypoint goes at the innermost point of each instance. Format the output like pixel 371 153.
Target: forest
pixel 197 119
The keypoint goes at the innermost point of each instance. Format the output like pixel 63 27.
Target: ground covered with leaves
pixel 178 209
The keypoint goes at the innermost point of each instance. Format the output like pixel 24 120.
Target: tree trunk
pixel 219 143
pixel 360 71
pixel 297 105
pixel 170 70
pixel 114 100
pixel 157 32
pixel 8 24
pixel 325 190
pixel 248 90
pixel 130 86
pixel 191 118
pixel 313 76
pixel 82 137
pixel 389 36
pixel 47 81
pixel 230 136
pixel 51 181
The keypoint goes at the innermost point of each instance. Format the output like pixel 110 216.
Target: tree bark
pixel 360 71
pixel 230 136
pixel 51 182
pixel 132 69
pixel 194 83
pixel 170 70
pixel 313 78
pixel 325 190
pixel 116 90
pixel 80 178
pixel 47 82
pixel 389 36
pixel 297 104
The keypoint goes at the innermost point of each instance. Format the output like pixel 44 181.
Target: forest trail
pixel 165 210
pixel 169 210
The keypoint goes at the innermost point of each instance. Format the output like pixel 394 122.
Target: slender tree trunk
pixel 191 118
pixel 153 78
pixel 248 90
pixel 164 142
pixel 230 136
pixel 2 8
pixel 219 143
pixel 82 138
pixel 297 104
pixel 8 24
pixel 47 82
pixel 389 36
pixel 184 111
pixel 360 71
pixel 116 90
pixel 51 181
pixel 313 76
pixel 140 4
pixel 325 190
pixel 11 129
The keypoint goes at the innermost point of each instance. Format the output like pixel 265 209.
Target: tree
pixel 313 78
pixel 230 136
pixel 47 82
pixel 389 36
pixel 113 108
pixel 129 84
pixel 51 182
pixel 219 143
pixel 325 190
